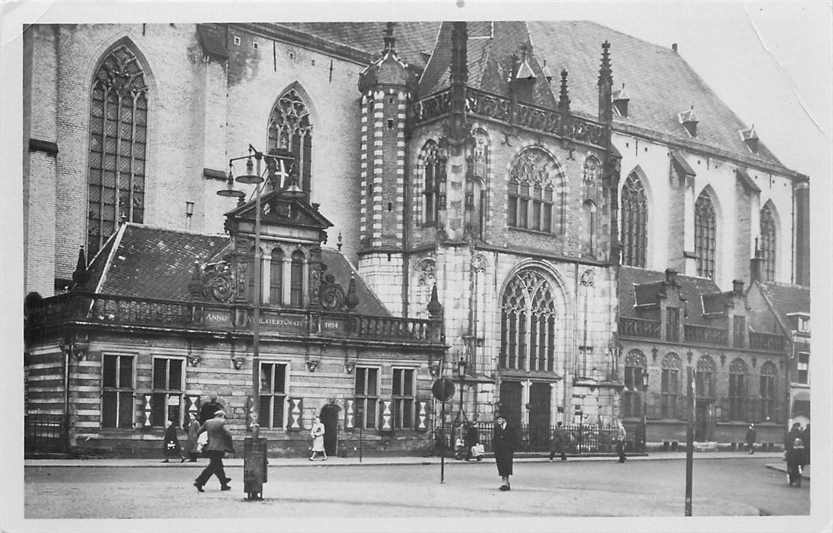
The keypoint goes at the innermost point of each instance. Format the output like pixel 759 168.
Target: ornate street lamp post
pixel 255 177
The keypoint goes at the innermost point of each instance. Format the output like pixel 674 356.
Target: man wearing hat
pixel 219 442
pixel 503 443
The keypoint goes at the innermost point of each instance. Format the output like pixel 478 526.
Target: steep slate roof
pixel 659 81
pixel 785 299
pixel 158 263
pixel 412 38
pixel 691 289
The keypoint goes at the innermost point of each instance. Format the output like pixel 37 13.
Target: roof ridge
pixel 139 225
pixel 108 264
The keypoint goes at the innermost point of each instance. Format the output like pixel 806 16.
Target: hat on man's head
pixel 219 414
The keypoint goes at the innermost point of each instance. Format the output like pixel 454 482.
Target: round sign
pixel 443 389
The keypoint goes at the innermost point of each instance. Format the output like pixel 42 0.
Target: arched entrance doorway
pixel 329 417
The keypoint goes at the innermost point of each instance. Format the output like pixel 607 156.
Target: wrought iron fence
pixel 576 439
pixel 43 433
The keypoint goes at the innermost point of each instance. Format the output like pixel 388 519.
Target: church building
pixel 561 218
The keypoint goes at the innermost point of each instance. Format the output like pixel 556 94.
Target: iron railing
pixel 577 439
pixel 131 311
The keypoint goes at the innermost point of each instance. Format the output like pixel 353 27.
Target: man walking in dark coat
pixel 751 437
pixel 210 408
pixel 559 442
pixel 503 444
pixel 219 442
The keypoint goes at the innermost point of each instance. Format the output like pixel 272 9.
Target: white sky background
pixel 786 91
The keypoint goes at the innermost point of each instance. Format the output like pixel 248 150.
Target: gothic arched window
pixel 705 235
pixel 276 277
pixel 737 390
pixel 705 377
pixel 767 391
pixel 118 146
pixel 635 366
pixel 768 242
pixel 431 166
pixel 528 321
pixel 537 193
pixel 634 222
pixel 477 184
pixel 290 129
pixel 670 386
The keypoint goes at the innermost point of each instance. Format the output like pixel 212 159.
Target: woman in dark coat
pixel 170 442
pixel 503 444
pixel 191 444
pixel 219 442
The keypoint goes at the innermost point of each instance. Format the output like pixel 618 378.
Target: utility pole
pixel 689 445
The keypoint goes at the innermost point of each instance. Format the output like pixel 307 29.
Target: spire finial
pixel 563 97
pixel 435 308
pixel 338 243
pixel 80 275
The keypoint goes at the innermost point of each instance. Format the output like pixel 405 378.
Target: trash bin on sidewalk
pixel 254 467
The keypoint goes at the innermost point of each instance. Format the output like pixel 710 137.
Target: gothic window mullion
pixel 103 167
pixel 133 140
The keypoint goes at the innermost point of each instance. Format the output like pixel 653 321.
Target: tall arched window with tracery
pixel 704 377
pixel 670 385
pixel 528 323
pixel 768 241
pixel 635 365
pixel 634 232
pixel 290 129
pixel 477 183
pixel 430 182
pixel 537 190
pixel 705 235
pixel 118 146
pixel 768 392
pixel 737 389
pixel 591 181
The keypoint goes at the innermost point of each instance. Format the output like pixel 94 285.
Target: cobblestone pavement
pixel 728 486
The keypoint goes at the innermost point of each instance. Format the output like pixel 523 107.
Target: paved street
pixel 727 486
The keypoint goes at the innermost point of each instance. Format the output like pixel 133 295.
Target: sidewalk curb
pixel 371 461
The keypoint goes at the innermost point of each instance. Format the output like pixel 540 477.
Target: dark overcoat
pixel 219 438
pixel 504 443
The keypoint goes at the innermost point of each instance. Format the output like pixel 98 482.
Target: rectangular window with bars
pixel 403 398
pixel 367 396
pixel 166 399
pixel 672 324
pixel 670 389
pixel 739 330
pixel 272 395
pixel 117 391
pixel 803 368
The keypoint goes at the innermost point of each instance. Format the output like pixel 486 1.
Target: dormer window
pixel 750 137
pixel 689 121
pixel 620 102
pixel 800 322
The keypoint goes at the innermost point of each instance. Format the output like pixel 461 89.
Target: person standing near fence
pixel 751 437
pixel 503 444
pixel 560 441
pixel 621 436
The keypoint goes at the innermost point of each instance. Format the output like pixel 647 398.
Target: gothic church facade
pixel 518 167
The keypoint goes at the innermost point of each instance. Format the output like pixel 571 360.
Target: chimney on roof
pixel 674 47
pixel 755 265
pixel 605 84
pixel 390 40
pixel 737 287
pixel 671 277
pixel 689 121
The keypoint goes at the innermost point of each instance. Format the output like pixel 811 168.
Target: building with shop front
pixel 498 162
